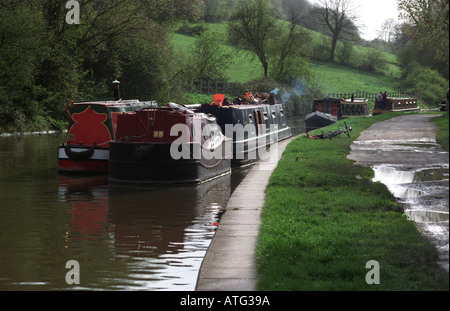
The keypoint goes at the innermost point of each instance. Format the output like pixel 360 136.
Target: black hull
pixel 318 120
pixel 261 126
pixel 147 163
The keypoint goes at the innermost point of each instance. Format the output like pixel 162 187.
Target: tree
pixel 44 61
pixel 208 59
pixel 339 17
pixel 217 11
pixel 386 32
pixel 21 51
pixel 251 27
pixel 286 52
pixel 429 26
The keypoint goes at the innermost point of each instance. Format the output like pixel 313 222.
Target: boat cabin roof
pixel 116 103
pixel 342 100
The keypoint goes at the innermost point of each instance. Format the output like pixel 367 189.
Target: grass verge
pixel 324 219
pixel 442 123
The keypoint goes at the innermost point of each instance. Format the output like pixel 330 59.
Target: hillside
pixel 331 77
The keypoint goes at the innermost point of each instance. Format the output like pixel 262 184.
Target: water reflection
pixel 156 237
pixel 123 238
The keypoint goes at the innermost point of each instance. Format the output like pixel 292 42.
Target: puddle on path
pixel 424 192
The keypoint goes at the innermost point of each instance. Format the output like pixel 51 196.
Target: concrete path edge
pixel 229 264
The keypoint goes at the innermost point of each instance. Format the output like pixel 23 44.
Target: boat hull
pixel 316 120
pixel 151 163
pixel 82 160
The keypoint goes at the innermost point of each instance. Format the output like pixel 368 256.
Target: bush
pixel 374 61
pixel 191 30
pixel 208 59
pixel 344 54
pixel 428 82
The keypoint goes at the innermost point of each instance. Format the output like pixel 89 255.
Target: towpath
pixel 405 156
pixel 404 146
pixel 229 264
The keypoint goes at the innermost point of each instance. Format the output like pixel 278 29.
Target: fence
pixel 209 87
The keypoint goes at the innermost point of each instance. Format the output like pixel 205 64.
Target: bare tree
pixel 340 17
pixel 387 30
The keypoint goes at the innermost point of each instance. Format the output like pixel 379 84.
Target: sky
pixel 372 14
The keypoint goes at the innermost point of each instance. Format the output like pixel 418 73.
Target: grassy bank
pixel 324 219
pixel 331 77
pixel 443 131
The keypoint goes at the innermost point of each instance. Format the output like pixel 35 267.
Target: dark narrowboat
pixel 329 110
pixel 92 125
pixel 167 145
pixel 253 122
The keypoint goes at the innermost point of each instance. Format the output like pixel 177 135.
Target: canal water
pixel 122 238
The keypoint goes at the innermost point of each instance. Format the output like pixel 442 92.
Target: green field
pixel 331 77
pixel 442 123
pixel 334 78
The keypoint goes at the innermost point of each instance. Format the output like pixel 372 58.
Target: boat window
pixel 158 134
pixel 250 118
pixel 282 112
pixel 274 114
pixel 265 116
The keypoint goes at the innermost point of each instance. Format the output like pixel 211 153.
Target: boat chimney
pixel 116 88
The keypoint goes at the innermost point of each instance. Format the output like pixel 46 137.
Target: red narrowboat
pixel 167 145
pixel 92 125
pixel 391 104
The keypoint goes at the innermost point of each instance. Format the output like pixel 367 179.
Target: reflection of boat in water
pixel 329 110
pixel 87 199
pixel 167 145
pixel 159 216
pixel 253 122
pixel 92 124
pixel 141 238
pixel 149 222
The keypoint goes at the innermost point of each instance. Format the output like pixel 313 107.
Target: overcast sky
pixel 372 14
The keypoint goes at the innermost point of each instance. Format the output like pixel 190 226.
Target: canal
pixel 152 238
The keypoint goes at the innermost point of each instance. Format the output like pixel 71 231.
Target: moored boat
pixel 391 104
pixel 92 125
pixel 253 122
pixel 167 145
pixel 329 110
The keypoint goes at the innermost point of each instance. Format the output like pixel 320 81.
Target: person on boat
pixel 249 97
pixel 379 98
pixel 273 100
pixel 384 99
